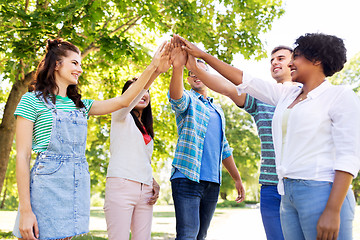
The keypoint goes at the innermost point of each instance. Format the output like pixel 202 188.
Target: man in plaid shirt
pixel 200 150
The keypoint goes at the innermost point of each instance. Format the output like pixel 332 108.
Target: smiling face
pixel 195 82
pixel 301 68
pixel 279 65
pixel 144 102
pixel 68 70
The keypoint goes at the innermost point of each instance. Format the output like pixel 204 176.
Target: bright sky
pixel 335 17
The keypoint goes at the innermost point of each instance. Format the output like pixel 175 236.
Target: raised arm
pixel 28 224
pixel 216 82
pixel 178 59
pixel 231 73
pixel 146 78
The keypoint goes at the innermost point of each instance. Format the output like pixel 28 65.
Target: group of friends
pixel 309 131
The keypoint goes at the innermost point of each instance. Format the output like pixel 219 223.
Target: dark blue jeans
pixel 195 205
pixel 270 212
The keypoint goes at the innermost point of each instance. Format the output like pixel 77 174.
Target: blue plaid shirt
pixel 192 118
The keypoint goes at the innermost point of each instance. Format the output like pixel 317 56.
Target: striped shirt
pixel 35 110
pixel 263 114
pixel 192 118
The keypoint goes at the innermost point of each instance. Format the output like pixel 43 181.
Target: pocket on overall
pixel 52 189
pixel 47 168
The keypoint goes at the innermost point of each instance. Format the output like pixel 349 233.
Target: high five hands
pixel 178 52
pixel 183 53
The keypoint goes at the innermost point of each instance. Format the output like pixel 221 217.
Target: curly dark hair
pixel 146 117
pixel 45 83
pixel 328 49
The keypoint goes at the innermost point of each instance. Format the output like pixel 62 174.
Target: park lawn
pixel 163 223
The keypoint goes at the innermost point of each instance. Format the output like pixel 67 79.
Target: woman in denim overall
pixel 60 179
pixel 54 197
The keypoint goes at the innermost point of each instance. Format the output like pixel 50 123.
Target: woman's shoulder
pixel 30 98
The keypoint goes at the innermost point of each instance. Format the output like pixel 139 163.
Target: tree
pixel 115 38
pixel 242 136
pixel 350 75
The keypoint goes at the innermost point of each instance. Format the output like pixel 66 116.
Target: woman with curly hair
pixel 316 135
pixel 54 197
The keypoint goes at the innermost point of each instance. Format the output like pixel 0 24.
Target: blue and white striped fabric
pixel 263 115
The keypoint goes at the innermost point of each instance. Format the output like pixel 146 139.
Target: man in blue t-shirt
pixel 262 114
pixel 200 151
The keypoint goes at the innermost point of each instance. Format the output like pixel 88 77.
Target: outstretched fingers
pixel 160 49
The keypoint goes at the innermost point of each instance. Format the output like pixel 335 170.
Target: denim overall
pixel 60 179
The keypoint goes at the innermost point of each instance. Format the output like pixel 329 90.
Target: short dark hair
pixel 200 61
pixel 328 49
pixel 281 47
pixel 146 116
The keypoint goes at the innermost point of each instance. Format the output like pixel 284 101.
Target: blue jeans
pixel 270 212
pixel 195 205
pixel 302 205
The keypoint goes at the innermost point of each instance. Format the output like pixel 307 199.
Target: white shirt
pixel 323 131
pixel 130 156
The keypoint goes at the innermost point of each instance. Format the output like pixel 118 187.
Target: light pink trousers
pixel 126 209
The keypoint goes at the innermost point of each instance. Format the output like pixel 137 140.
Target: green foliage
pixel 230 204
pixel 6 235
pixel 117 39
pixel 9 196
pixel 242 136
pixel 350 74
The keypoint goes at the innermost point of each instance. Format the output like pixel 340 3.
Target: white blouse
pixel 323 131
pixel 130 156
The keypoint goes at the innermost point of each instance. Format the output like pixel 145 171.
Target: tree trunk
pixel 3 198
pixel 7 127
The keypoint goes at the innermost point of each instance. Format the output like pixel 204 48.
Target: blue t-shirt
pixel 211 157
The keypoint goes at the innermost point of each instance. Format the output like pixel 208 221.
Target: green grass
pixel 94 235
pixel 6 235
pixel 164 214
pixel 230 204
pixel 97 213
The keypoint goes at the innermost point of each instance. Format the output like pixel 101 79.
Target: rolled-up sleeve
pixel 227 150
pixel 266 91
pixel 345 115
pixel 180 105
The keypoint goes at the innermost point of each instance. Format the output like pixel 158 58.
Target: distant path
pixel 227 224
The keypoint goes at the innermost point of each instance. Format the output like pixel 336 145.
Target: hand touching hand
pixel 178 55
pixel 191 63
pixel 189 47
